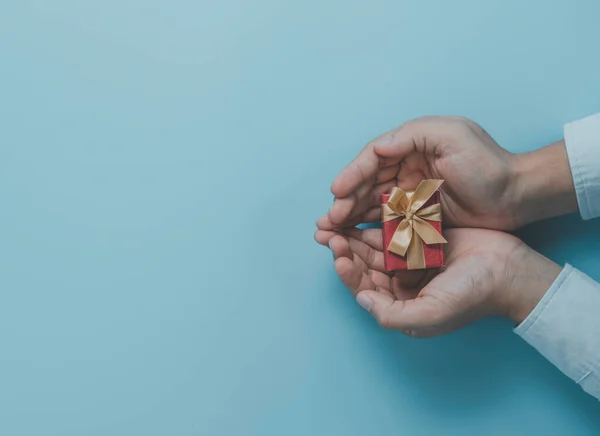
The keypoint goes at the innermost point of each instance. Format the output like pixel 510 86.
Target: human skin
pixel 486 189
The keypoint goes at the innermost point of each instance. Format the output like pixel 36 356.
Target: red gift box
pixel 433 253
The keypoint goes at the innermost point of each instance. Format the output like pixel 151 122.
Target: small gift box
pixel 412 227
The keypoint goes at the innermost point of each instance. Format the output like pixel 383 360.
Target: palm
pixel 442 300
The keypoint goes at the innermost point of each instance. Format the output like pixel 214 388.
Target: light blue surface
pixel 150 282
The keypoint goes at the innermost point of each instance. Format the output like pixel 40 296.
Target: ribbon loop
pixel 402 238
pixel 431 213
pixel 423 193
pixel 413 230
pixel 427 232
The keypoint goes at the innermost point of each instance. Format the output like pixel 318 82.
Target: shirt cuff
pixel 582 140
pixel 564 328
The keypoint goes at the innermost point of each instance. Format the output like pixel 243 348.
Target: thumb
pixel 374 302
pixel 380 306
pixel 416 317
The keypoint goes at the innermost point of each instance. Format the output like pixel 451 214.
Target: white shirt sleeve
pixel 582 139
pixel 565 325
pixel 565 328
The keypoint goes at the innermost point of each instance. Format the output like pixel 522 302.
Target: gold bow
pixel 414 229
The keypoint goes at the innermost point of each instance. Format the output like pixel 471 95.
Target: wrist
pixel 530 275
pixel 543 184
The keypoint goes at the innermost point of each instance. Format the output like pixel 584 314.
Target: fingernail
pixel 364 301
pixel 332 252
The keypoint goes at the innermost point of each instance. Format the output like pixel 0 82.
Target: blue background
pixel 149 282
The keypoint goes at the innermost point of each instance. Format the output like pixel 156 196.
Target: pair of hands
pixel 487 191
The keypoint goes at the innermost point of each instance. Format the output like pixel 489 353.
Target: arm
pixel 556 179
pixel 544 184
pixel 583 147
pixel 557 311
pixel 564 326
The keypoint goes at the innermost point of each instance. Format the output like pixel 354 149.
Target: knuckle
pixel 467 123
pixel 413 124
pixel 426 118
pixel 463 123
pixel 408 125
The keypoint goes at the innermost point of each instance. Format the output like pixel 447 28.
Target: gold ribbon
pixel 414 229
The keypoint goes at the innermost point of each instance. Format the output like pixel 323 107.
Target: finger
pixel 374 302
pixel 362 168
pixel 340 247
pixel 346 209
pixel 412 171
pixel 372 215
pixel 410 181
pixel 424 135
pixel 383 282
pixel 358 202
pixel 372 258
pixel 348 273
pixel 352 269
pixel 387 174
pixel 352 275
pixel 324 223
pixel 323 236
pixel 371 237
pixel 342 207
pixel 340 211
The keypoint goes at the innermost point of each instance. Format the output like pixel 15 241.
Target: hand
pixel 485 185
pixel 486 273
